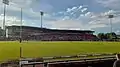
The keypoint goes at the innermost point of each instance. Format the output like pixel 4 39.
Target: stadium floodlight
pixel 21 27
pixel 6 2
pixel 41 14
pixel 110 17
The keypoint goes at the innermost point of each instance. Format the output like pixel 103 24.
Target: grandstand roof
pixel 53 30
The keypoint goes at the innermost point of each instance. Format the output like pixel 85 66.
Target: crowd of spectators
pixel 61 37
pixel 55 37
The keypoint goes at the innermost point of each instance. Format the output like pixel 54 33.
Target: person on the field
pixel 117 62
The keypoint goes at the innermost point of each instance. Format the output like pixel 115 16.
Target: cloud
pixel 75 9
pixel 13 9
pixel 10 20
pixel 69 13
pixel 97 26
pixel 75 17
pixel 66 18
pixel 21 3
pixel 111 4
pixel 60 12
pixel 76 20
pixel 80 7
pixel 74 12
pixel 100 21
pixel 117 32
pixel 67 24
pixel 84 9
pixel 81 15
pixel 88 14
pixel 71 9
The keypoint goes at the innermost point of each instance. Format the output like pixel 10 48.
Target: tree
pixel 1 32
pixel 110 36
pixel 114 35
pixel 101 36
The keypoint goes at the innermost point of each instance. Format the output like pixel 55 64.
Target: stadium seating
pixel 44 34
pixel 60 37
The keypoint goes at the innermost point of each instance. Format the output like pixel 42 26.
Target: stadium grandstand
pixel 44 34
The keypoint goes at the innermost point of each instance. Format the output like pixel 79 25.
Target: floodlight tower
pixel 21 27
pixel 41 14
pixel 110 17
pixel 5 2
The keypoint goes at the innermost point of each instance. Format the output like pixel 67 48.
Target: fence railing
pixel 45 61
pixel 47 64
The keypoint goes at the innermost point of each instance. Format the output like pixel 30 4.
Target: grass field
pixel 10 50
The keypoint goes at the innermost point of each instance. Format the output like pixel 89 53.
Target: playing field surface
pixel 11 50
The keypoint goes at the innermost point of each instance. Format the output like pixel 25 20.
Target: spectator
pixel 117 62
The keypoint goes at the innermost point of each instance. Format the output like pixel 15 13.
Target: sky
pixel 64 14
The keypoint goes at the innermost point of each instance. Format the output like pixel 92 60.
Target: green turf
pixel 10 50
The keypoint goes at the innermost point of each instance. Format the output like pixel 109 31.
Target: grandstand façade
pixel 45 34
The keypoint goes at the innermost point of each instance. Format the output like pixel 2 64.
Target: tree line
pixel 107 36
